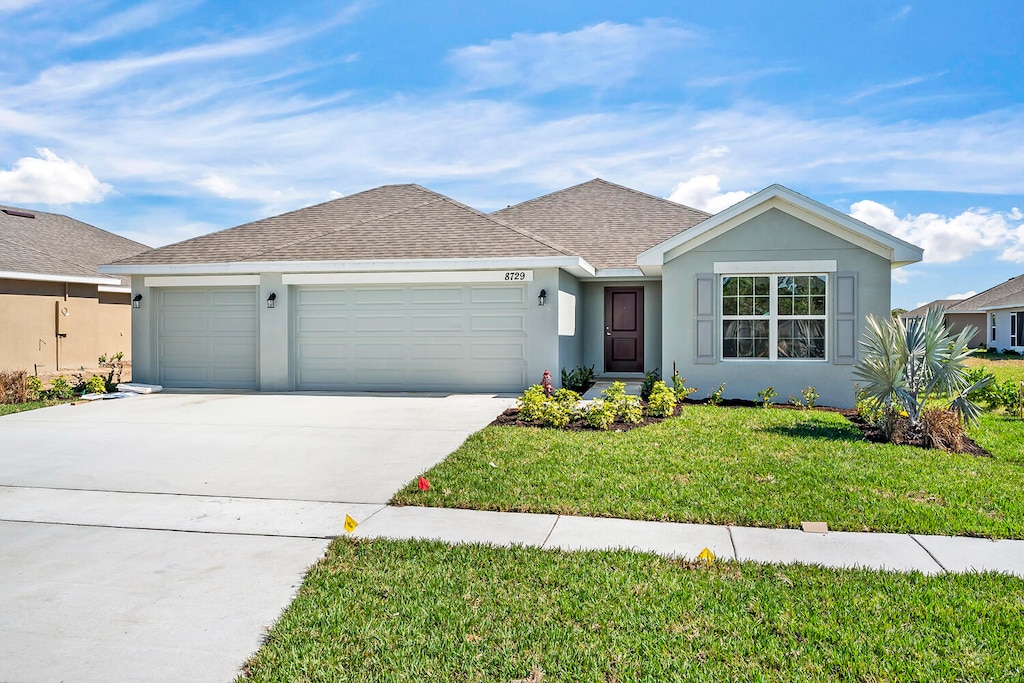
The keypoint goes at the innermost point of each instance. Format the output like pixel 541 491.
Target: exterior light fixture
pixel 271 299
pixel 137 301
pixel 542 297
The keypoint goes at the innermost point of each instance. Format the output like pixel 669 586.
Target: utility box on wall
pixel 63 318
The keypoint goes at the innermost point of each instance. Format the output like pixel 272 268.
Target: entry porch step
pixel 632 386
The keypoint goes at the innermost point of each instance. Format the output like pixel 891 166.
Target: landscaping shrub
pixel 715 397
pixel 943 429
pixel 766 395
pixel 579 380
pixel 96 385
pixel 811 396
pixel 14 386
pixel 115 368
pixel 662 400
pixel 649 380
pixel 679 386
pixel 627 408
pixel 531 403
pixel 1010 395
pixel 60 389
pixel 35 387
pixel 600 414
pixel 904 364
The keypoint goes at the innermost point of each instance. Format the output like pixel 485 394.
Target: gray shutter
pixel 705 324
pixel 845 317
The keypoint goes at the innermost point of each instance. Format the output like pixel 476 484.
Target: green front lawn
pixel 742 466
pixel 1003 367
pixel 8 408
pixel 424 611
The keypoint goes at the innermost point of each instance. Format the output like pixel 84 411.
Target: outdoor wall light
pixel 271 299
pixel 542 297
pixel 137 301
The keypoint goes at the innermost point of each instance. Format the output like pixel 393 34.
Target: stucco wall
pixel 1003 330
pixel 570 347
pixel 593 322
pixel 771 236
pixel 958 321
pixel 95 323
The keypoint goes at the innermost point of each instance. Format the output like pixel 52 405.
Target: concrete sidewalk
pixel 838 549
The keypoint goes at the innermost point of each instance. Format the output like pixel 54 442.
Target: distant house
pixel 998 313
pixel 955 319
pixel 400 288
pixel 56 310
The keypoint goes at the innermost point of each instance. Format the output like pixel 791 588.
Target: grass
pixel 742 466
pixel 425 611
pixel 8 408
pixel 1003 367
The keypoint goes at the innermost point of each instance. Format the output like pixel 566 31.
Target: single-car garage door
pixel 456 337
pixel 208 338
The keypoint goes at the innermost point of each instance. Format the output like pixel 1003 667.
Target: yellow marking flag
pixel 706 555
pixel 350 524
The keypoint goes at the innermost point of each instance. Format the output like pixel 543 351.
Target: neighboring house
pixel 998 312
pixel 56 310
pixel 955 319
pixel 400 288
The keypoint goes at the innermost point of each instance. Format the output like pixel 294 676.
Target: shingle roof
pixel 54 244
pixel 1009 293
pixel 920 311
pixel 606 224
pixel 389 222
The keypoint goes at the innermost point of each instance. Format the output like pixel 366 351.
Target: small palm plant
pixel 903 364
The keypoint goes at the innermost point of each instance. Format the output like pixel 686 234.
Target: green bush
pixel 579 380
pixel 34 388
pixel 766 395
pixel 96 385
pixel 600 414
pixel 715 397
pixel 1011 397
pixel 60 389
pixel 627 408
pixel 531 404
pixel 811 396
pixel 650 379
pixel 662 400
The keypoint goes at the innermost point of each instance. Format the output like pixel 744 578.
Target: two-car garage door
pixel 446 337
pixel 427 337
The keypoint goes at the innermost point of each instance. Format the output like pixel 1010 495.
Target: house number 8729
pixel 516 275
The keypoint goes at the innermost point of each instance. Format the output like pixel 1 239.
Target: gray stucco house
pixel 399 288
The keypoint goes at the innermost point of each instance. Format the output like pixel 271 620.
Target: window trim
pixel 992 316
pixel 773 316
pixel 1014 318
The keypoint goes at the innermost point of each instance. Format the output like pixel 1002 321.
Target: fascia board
pixel 573 264
pixel 72 279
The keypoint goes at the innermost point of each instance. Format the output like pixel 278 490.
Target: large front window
pixel 775 317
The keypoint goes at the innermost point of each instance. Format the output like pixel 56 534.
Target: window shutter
pixel 705 325
pixel 845 319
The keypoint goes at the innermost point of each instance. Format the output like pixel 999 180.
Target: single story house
pixel 401 288
pixel 57 312
pixel 955 320
pixel 998 312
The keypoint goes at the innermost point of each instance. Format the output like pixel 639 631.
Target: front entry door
pixel 624 329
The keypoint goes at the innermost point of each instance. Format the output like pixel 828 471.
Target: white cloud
pixel 894 85
pixel 17 5
pixel 949 239
pixel 966 295
pixel 599 55
pixel 704 192
pixel 49 179
pixel 133 19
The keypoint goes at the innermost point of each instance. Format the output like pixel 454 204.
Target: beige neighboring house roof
pixel 393 222
pixel 1004 295
pixel 606 224
pixel 920 311
pixel 36 245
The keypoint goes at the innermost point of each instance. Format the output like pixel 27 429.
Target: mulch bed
pixel 510 418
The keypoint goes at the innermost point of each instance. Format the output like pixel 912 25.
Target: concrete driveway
pixel 155 538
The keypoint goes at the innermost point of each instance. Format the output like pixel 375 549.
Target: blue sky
pixel 163 120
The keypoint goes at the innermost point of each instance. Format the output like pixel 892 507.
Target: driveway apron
pixel 158 537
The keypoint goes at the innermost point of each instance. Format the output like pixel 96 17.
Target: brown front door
pixel 624 329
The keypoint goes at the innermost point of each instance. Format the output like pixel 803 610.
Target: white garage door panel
pixel 208 338
pixel 447 338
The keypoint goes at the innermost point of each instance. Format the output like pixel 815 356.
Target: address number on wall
pixel 518 276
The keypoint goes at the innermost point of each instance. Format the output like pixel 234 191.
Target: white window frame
pixel 773 317
pixel 1013 328
pixel 993 318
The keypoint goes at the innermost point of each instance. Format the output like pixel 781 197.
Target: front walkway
pixel 839 549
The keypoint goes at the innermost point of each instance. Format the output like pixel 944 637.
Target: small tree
pixel 903 364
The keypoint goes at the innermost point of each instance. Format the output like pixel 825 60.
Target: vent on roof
pixel 19 214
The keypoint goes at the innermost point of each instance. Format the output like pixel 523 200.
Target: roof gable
pixel 57 247
pixel 606 224
pixel 809 211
